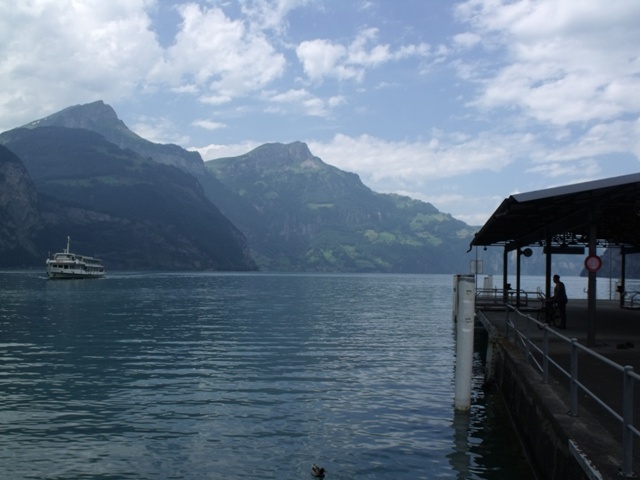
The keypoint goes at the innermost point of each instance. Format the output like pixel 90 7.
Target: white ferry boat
pixel 71 265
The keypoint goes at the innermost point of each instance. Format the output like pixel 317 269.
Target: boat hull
pixel 70 275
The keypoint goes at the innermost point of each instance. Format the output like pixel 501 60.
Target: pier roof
pixel 613 204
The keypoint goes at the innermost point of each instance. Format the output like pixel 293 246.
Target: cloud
pixel 214 99
pixel 59 53
pixel 322 58
pixel 466 40
pixel 56 54
pixel 270 14
pixel 600 140
pixel 303 100
pixel 220 56
pixel 564 62
pixel 587 169
pixel 401 165
pixel 208 124
pixel 159 130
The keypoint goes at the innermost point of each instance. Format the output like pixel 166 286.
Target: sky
pixel 456 103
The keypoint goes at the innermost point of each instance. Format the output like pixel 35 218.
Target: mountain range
pixel 141 205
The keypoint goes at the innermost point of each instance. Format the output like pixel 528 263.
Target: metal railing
pixel 633 298
pixel 495 296
pixel 529 336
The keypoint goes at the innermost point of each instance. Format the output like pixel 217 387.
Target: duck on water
pixel 65 265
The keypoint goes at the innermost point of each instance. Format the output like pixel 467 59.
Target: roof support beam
pixel 591 288
pixel 518 254
pixel 505 284
pixel 623 274
pixel 547 268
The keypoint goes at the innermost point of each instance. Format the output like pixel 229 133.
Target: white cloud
pixel 566 62
pixel 388 166
pixel 214 99
pixel 159 130
pixel 208 124
pixel 466 39
pixel 270 14
pixel 186 88
pixel 322 58
pixel 303 100
pixel 56 54
pixel 600 140
pixel 219 55
pixel 59 53
pixel 588 169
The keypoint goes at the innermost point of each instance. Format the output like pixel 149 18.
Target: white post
pixel 454 309
pixel 464 340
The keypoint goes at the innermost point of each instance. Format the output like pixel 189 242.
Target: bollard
pixel 465 289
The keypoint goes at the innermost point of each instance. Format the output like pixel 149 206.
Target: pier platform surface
pixel 617 337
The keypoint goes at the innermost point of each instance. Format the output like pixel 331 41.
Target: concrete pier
pixel 561 445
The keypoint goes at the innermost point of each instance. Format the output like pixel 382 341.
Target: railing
pixel 495 296
pixel 633 298
pixel 544 360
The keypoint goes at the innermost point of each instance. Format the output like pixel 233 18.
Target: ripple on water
pixel 159 376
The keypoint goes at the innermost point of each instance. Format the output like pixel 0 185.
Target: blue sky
pixel 458 103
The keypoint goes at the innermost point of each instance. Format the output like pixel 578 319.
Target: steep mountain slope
pixel 19 213
pixel 317 217
pixel 133 212
pixel 101 118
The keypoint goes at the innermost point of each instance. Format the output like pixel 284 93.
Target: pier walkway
pixel 596 433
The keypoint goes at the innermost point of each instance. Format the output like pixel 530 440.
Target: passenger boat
pixel 72 265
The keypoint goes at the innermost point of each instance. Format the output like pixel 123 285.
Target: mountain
pixel 101 118
pixel 19 213
pixel 314 217
pixel 131 211
pixel 138 204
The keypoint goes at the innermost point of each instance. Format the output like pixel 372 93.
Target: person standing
pixel 560 297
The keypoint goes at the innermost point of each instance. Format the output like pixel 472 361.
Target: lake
pixel 231 376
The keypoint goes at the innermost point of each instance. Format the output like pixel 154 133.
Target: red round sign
pixel 593 263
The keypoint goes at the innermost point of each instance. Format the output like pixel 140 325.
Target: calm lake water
pixel 223 376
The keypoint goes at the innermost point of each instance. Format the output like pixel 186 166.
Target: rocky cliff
pixel 132 212
pixel 19 214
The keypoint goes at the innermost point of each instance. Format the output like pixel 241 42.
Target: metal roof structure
pixel 604 212
pixel 565 214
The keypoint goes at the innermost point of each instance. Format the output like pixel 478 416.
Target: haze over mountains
pixel 141 205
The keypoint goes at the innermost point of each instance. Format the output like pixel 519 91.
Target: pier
pixel 570 392
pixel 570 407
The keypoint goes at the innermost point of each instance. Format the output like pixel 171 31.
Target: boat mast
pixel 68 242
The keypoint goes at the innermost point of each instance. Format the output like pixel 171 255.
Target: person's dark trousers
pixel 563 314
